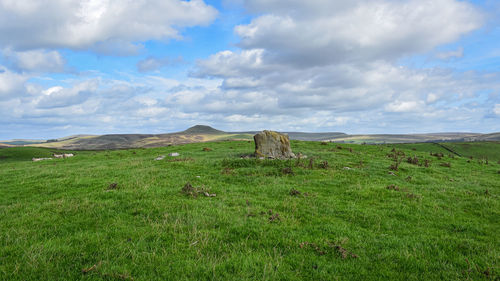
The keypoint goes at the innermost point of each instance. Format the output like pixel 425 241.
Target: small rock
pixel 209 194
pixel 393 187
pixel 161 157
pixel 347 168
pixel 173 154
pixel 391 173
pixel 301 156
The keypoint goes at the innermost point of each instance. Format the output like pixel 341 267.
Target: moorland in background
pixel 201 133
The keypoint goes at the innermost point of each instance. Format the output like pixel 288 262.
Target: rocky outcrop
pixel 270 144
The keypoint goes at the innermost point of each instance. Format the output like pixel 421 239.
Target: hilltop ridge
pixel 202 129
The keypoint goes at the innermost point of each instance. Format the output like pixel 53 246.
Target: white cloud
pixel 496 109
pixel 302 65
pixel 347 31
pixel 151 112
pixel 36 60
pixel 404 106
pixel 432 98
pixel 153 63
pixel 58 96
pixel 96 24
pixel 339 58
pixel 11 84
pixel 458 53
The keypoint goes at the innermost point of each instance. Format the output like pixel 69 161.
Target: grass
pixel 59 220
pixel 478 150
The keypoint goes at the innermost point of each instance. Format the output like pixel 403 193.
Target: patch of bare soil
pixel 488 273
pixel 92 268
pixel 287 171
pixel 192 191
pixel 397 157
pixel 406 192
pixel 180 159
pixel 95 270
pixel 393 187
pixel 329 247
pixel 295 192
pixel 412 160
pixel 412 195
pixel 438 155
pixel 272 216
pixel 311 163
pixel 323 165
pixel 227 171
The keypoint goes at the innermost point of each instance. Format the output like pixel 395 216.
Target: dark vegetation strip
pixel 447 148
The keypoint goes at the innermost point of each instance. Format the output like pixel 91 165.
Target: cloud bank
pixel 100 25
pixel 315 65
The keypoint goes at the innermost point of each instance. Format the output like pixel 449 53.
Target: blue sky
pixel 156 66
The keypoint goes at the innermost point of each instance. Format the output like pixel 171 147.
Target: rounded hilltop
pixel 202 129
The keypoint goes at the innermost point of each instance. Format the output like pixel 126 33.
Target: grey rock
pixel 270 144
pixel 173 154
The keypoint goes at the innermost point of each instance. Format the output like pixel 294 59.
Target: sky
pixel 156 66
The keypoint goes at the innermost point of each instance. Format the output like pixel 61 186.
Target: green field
pixel 476 150
pixel 62 219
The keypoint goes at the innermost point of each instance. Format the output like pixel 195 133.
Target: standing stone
pixel 273 145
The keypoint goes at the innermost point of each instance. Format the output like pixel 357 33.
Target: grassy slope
pixel 58 218
pixel 487 150
pixel 27 153
pixel 134 141
pixel 409 138
pixel 478 150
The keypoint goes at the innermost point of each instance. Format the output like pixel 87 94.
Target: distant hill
pixel 198 133
pixel 203 133
pixel 485 137
pixel 21 142
pixel 315 136
pixel 304 136
pixel 202 129
pixel 406 138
